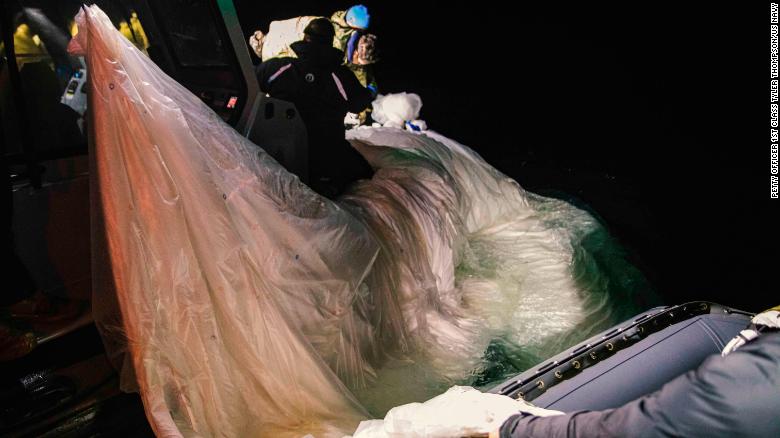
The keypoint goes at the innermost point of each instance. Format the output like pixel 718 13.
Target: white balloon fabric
pixel 248 305
pixel 394 110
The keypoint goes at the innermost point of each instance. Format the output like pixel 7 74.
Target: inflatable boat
pixel 629 360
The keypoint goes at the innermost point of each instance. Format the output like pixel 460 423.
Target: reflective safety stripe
pixel 741 339
pixel 340 87
pixel 278 72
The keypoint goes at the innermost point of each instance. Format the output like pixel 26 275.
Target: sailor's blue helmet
pixel 357 17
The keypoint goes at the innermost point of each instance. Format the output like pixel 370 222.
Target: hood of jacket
pixel 318 54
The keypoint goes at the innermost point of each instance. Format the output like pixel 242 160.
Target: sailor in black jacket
pixel 323 90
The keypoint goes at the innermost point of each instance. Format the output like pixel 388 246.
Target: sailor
pixel 357 44
pixel 350 37
pixel 359 48
pixel 323 90
pixel 733 394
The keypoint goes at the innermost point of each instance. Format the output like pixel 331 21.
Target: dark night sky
pixel 652 115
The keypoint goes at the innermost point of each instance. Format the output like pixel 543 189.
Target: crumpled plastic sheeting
pixel 215 253
pixel 467 257
pixel 251 306
pixel 459 412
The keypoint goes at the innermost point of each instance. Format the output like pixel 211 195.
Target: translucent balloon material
pixel 238 302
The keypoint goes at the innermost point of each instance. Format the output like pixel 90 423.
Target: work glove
pixel 256 43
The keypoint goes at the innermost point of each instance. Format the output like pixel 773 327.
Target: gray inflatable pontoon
pixel 629 360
